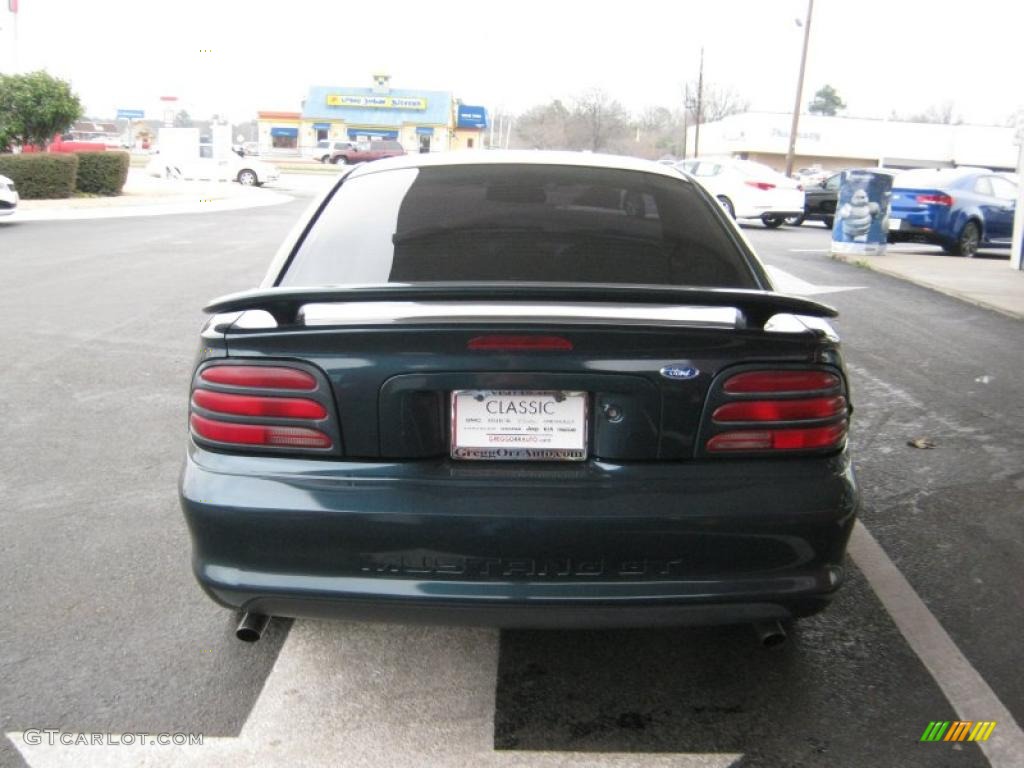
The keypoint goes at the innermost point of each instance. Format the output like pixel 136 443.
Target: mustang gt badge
pixel 680 371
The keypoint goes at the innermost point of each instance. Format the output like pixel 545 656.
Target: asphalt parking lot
pixel 107 632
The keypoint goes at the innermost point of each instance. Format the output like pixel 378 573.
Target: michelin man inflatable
pixel 856 216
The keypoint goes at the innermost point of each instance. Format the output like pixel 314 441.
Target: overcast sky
pixel 902 55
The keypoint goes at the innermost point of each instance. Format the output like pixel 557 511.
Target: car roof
pixel 517 157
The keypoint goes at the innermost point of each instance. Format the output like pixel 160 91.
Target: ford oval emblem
pixel 680 372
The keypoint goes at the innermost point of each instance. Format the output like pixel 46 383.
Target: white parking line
pixel 966 690
pixel 787 282
pixel 347 694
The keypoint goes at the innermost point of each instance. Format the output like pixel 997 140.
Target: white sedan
pixel 245 170
pixel 8 197
pixel 748 190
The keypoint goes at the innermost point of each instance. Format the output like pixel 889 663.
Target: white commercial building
pixel 843 142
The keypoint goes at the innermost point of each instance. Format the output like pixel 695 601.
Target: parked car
pixel 959 209
pixel 363 152
pixel 748 190
pixel 245 170
pixel 324 150
pixel 475 388
pixel 819 202
pixel 8 197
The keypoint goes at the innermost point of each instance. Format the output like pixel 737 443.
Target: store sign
pixel 130 114
pixel 370 133
pixel 471 117
pixel 290 133
pixel 375 102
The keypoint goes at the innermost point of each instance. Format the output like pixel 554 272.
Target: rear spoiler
pixel 757 307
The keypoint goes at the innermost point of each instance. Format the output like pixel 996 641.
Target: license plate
pixel 519 425
pixel 894 224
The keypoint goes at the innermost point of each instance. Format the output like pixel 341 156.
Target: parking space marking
pixel 786 282
pixel 362 695
pixel 966 690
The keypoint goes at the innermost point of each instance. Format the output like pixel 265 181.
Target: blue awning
pixel 425 130
pixel 471 117
pixel 289 132
pixel 321 126
pixel 355 133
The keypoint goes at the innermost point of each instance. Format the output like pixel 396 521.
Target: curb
pixel 236 203
pixel 884 269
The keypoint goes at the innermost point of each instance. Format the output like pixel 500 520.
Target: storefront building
pixel 422 121
pixel 833 143
pixel 470 126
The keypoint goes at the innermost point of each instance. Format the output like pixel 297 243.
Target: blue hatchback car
pixel 960 209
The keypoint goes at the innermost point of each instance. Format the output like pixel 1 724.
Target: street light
pixel 799 89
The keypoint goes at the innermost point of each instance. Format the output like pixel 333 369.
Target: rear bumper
pixel 541 546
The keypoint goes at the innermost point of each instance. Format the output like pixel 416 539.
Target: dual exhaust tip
pixel 770 634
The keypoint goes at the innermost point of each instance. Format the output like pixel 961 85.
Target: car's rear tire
pixel 339 160
pixel 795 221
pixel 248 178
pixel 772 222
pixel 727 204
pixel 967 242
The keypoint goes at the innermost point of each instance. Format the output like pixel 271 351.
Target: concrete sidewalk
pixel 986 280
pixel 150 196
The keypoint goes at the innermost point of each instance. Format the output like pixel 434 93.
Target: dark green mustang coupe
pixel 519 389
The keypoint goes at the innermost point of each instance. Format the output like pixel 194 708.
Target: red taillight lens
pixel 780 381
pixel 259 377
pixel 786 407
pixel 779 439
pixel 255 405
pixel 261 393
pixel 503 343
pixel 780 410
pixel 939 199
pixel 258 434
pixel 764 186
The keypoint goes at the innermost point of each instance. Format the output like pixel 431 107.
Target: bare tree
pixel 597 121
pixel 543 127
pixel 941 113
pixel 717 101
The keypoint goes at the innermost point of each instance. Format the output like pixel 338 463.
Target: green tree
pixel 34 107
pixel 826 102
pixel 183 120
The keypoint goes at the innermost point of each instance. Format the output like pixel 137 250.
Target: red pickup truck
pixel 365 151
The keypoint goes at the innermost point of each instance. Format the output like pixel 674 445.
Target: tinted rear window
pixel 528 223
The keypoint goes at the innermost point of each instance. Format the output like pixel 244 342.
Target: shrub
pixel 102 173
pixel 41 176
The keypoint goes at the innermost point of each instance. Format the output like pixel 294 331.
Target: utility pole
pixel 799 91
pixel 700 103
pixel 686 116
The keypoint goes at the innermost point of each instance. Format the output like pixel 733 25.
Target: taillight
pixel 253 405
pixel 780 381
pixel 938 199
pixel 770 411
pixel 781 410
pixel 259 376
pixel 764 186
pixel 259 406
pixel 259 434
